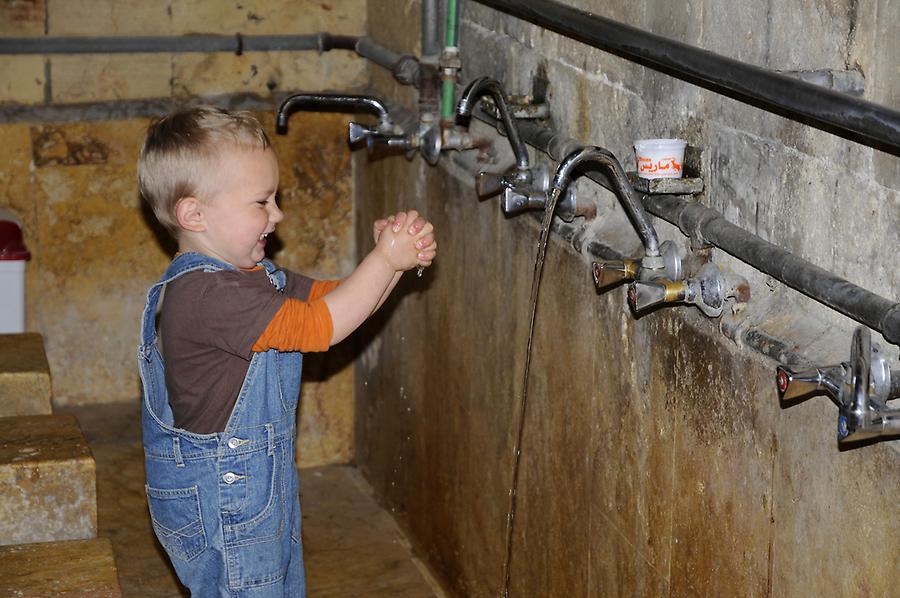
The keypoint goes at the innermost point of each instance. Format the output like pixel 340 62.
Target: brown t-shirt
pixel 209 322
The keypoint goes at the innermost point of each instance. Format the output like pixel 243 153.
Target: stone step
pixel 24 375
pixel 70 568
pixel 48 487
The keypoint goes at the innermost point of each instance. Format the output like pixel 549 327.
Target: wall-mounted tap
pixel 360 135
pixel 860 388
pixel 610 272
pixel 652 259
pixel 492 87
pixel 334 102
pixel 522 187
pixel 708 290
pixel 428 138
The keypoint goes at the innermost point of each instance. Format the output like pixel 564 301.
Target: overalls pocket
pixel 177 520
pixel 257 537
pixel 253 503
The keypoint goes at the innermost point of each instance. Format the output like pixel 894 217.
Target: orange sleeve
pixel 320 288
pixel 298 326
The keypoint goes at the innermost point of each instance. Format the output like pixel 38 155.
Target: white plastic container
pixel 12 296
pixel 13 255
pixel 659 158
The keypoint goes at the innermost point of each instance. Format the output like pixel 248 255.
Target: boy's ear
pixel 189 214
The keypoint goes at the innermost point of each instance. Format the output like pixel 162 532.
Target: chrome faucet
pixel 358 135
pixel 652 259
pixel 708 290
pixel 492 87
pixel 334 102
pixel 522 187
pixel 860 388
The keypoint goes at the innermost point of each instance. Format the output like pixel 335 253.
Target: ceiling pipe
pixel 843 115
pixel 405 67
pixel 236 44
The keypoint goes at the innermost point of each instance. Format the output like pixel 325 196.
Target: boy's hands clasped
pixel 405 240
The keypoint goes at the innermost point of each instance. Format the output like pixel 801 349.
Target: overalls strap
pixel 182 264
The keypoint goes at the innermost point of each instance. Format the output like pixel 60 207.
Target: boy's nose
pixel 275 214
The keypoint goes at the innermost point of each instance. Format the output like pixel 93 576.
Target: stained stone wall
pixel 28 79
pixel 656 460
pixel 70 130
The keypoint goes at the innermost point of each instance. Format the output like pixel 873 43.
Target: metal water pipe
pixel 450 65
pixel 841 114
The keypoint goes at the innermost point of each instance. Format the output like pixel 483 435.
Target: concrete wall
pixel 70 130
pixel 656 457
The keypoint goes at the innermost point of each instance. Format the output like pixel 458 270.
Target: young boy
pixel 221 389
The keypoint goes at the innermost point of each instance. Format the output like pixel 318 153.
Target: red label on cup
pixel 659 166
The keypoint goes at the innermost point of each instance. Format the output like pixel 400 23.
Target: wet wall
pixel 70 131
pixel 656 459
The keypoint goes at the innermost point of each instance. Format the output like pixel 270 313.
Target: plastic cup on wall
pixel 659 158
pixel 13 255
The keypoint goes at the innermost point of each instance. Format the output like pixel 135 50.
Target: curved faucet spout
pixel 492 87
pixel 333 102
pixel 626 192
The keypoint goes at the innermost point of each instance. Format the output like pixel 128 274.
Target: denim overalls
pixel 226 506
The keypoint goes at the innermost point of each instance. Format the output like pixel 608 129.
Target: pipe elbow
pixel 325 101
pixel 565 167
pixel 632 205
pixel 377 107
pixel 488 86
pixel 281 115
pixel 471 93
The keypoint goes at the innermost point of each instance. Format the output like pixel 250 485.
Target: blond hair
pixel 179 152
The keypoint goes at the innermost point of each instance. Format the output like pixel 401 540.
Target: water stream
pixel 535 287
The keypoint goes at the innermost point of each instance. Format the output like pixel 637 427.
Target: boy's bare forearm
pixel 388 290
pixel 360 295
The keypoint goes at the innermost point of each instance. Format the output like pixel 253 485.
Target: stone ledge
pixel 24 375
pixel 47 480
pixel 75 567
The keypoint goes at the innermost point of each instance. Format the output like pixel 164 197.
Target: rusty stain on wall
pixel 50 147
pixel 20 13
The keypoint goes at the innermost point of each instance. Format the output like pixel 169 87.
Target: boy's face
pixel 242 211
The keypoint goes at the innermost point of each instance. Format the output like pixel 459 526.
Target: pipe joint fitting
pixel 708 290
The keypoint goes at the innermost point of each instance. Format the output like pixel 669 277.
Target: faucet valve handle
pixel 793 384
pixel 859 388
pixel 665 267
pixel 488 184
pixel 610 272
pixel 707 290
pixel 359 134
pixel 645 294
pixel 515 200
